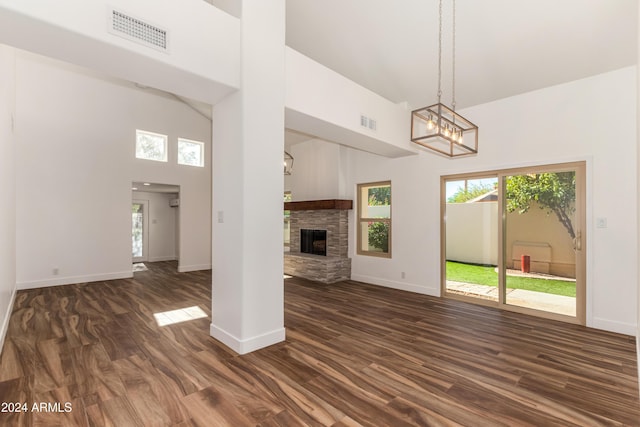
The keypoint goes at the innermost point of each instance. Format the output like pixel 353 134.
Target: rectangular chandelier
pixel 441 129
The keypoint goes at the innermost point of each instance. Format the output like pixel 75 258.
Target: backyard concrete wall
pixel 472 232
pixel 536 226
pixel 472 237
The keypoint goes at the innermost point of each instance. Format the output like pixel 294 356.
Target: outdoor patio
pixel 523 298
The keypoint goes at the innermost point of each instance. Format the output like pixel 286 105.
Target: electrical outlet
pixel 601 222
pixel 55 271
pixel 402 275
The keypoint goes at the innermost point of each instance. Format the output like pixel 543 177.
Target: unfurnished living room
pixel 305 213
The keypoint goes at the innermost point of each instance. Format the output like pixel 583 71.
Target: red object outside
pixel 525 263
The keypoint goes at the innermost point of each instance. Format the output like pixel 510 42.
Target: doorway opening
pixel 139 230
pixel 155 224
pixel 514 239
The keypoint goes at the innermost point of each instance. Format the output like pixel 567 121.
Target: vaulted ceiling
pixel 504 47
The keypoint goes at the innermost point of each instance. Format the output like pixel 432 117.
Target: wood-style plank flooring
pixel 355 354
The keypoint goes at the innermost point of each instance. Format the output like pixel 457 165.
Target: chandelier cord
pixel 440 52
pixel 453 74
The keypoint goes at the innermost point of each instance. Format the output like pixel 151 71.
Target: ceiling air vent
pixel 368 122
pixel 139 31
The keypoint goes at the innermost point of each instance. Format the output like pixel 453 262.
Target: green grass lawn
pixel 481 275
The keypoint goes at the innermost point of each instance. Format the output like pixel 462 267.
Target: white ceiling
pixel 504 47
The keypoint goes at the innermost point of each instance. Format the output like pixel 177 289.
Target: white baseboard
pixel 247 345
pixel 403 286
pixel 163 258
pixel 195 267
pixel 638 349
pixel 5 322
pixel 638 353
pixel 614 326
pixel 71 280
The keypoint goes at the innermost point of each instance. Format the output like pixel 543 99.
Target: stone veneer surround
pixel 333 267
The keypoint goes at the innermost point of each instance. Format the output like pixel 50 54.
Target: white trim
pixel 195 267
pixel 7 317
pixel 637 353
pixel 403 286
pixel 162 258
pixel 614 326
pixel 75 280
pixel 244 346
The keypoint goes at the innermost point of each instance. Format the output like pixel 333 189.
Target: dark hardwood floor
pixel 355 354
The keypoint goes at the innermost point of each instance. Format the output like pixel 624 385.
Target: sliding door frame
pixel 580 226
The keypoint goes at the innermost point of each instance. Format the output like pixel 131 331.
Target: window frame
pixel 360 219
pixel 165 138
pixel 191 141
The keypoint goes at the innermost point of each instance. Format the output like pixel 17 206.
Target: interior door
pixel 139 230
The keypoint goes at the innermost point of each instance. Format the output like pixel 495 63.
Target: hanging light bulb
pixel 430 123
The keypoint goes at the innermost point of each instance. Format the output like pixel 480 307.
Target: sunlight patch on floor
pixel 177 316
pixel 139 266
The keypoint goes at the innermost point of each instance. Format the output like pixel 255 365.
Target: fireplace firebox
pixel 313 242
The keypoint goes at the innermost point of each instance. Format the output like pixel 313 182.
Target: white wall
pixel 202 61
pixel 162 225
pixel 319 171
pixel 638 202
pixel 75 135
pixel 7 189
pixel 592 119
pixel 323 103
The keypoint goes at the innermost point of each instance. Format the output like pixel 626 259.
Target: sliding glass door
pixel 542 239
pixel 472 237
pixel 515 239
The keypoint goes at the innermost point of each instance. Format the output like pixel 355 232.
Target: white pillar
pixel 248 185
pixel 638 190
pixel 7 187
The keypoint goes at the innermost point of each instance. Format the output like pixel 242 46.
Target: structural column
pixel 7 187
pixel 638 191
pixel 248 182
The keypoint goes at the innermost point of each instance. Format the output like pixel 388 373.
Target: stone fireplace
pixel 319 240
